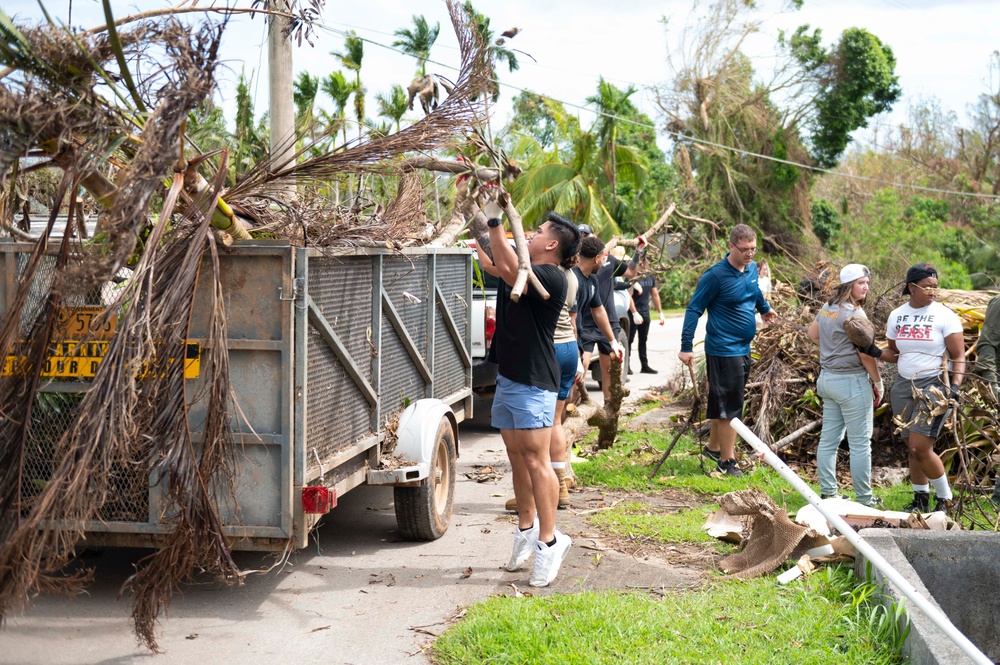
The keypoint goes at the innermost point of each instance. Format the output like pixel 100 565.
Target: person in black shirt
pixel 643 290
pixel 528 377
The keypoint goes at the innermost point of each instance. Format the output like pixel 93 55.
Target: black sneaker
pixel 947 506
pixel 630 372
pixel 835 495
pixel 712 455
pixel 921 503
pixel 648 370
pixel 729 468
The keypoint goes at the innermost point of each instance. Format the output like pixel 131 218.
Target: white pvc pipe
pixel 932 612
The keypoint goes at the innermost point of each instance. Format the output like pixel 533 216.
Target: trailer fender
pixel 416 436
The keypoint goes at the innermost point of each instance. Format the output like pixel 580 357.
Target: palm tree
pixel 306 87
pixel 612 106
pixel 339 90
pixel 481 24
pixel 393 105
pixel 354 53
pixel 572 181
pixel 418 42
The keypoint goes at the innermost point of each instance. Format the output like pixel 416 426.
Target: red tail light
pixel 318 500
pixel 490 325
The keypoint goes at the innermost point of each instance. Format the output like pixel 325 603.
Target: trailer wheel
pixel 424 512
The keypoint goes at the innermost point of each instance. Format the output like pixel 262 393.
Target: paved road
pixel 357 595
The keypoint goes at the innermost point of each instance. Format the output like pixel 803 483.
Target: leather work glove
pixel 879 389
pixel 492 210
pixel 641 242
pixel 637 288
pixel 637 318
pixel 618 351
pixel 873 350
pixel 580 370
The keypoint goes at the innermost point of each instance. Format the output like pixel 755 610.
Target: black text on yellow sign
pixel 80 360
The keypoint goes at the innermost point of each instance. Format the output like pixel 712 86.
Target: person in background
pixel 926 342
pixel 643 291
pixel 764 284
pixel 848 397
pixel 589 332
pixel 528 377
pixel 728 291
pixel 986 361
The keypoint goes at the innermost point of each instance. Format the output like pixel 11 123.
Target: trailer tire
pixel 424 512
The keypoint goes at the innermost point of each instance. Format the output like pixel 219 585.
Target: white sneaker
pixel 524 543
pixel 548 559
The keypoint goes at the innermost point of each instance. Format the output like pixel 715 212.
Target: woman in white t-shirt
pixel 926 342
pixel 850 385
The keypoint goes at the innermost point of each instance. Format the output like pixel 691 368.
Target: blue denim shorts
pixel 520 406
pixel 568 355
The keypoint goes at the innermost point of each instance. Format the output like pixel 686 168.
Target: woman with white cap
pixel 850 385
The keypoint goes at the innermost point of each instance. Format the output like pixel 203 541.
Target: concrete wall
pixel 959 572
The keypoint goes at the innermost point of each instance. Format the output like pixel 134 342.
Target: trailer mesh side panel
pixel 452 278
pixel 54 412
pixel 338 414
pixel 405 281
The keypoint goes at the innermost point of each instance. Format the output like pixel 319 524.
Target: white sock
pixel 921 488
pixel 558 465
pixel 941 487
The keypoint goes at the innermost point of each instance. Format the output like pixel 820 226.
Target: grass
pixel 753 621
pixel 825 618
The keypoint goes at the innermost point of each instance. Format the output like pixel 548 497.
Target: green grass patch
pixel 634 518
pixel 628 464
pixel 753 621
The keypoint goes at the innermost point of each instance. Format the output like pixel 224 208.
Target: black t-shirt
pixel 606 287
pixel 587 297
pixel 522 345
pixel 648 283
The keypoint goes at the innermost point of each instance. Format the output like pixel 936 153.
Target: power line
pixel 691 139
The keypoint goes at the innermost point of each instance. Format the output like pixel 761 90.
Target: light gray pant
pixel 847 406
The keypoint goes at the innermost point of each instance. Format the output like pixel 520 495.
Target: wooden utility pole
pixel 281 106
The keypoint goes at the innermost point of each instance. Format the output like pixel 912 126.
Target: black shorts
pixel 727 380
pixel 603 345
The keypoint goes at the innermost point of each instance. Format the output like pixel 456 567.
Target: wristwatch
pixel 494 222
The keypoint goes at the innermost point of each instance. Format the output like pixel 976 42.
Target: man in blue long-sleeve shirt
pixel 728 290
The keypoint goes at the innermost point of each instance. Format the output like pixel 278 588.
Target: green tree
pixel 394 105
pixel 351 58
pixel 572 180
pixel 825 223
pixel 611 105
pixel 856 80
pixel 339 90
pixel 418 41
pixel 305 89
pixel 251 139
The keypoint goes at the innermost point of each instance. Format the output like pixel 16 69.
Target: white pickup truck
pixel 484 302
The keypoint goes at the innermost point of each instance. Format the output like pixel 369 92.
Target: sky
pixel 943 47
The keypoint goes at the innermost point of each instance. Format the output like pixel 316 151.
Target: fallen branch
pixel 481 173
pixel 652 231
pixel 605 419
pixel 524 273
pixel 787 441
pixel 691 218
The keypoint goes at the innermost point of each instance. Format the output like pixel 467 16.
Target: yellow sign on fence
pixel 73 359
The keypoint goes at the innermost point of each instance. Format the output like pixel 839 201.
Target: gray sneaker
pixel 548 559
pixel 524 543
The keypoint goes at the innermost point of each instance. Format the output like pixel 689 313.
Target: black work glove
pixel 873 350
pixel 956 391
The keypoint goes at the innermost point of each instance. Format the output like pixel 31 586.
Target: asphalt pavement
pixel 358 594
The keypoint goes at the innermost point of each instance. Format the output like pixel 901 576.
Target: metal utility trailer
pixel 333 354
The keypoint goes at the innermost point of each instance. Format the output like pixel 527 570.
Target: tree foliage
pixel 418 41
pixel 855 80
